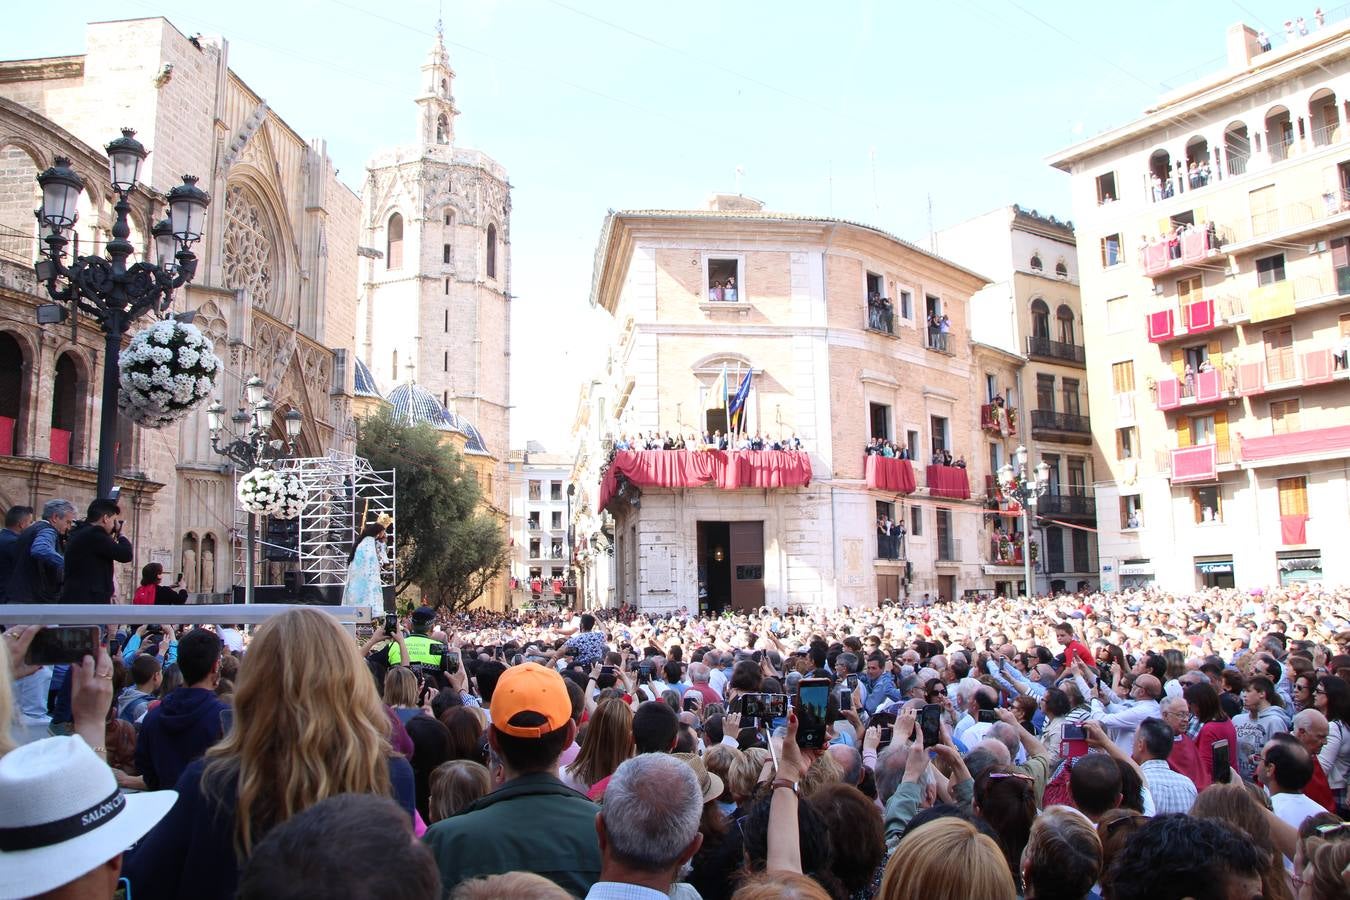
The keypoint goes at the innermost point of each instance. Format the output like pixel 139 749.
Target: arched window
pixel 11 392
pixel 65 409
pixel 393 242
pixel 445 88
pixel 1065 317
pixel 1040 320
pixel 492 251
pixel 1061 269
pixel 442 130
pixel 1036 263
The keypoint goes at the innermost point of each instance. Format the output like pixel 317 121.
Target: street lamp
pixel 1025 490
pixel 250 445
pixel 114 293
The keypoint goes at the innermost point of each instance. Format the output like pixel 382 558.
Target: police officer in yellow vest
pixel 424 654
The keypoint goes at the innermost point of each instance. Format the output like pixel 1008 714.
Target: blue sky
pixel 862 109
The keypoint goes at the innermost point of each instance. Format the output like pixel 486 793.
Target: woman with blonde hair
pixel 308 725
pixel 947 859
pixel 1326 870
pixel 608 742
pixel 454 785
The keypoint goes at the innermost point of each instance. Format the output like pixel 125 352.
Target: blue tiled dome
pixel 415 404
pixel 365 385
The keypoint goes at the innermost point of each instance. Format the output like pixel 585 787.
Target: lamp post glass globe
pixel 1042 474
pixel 263 411
pixel 187 210
pixel 253 390
pixel 294 421
pixel 61 189
pixel 1020 454
pixel 165 245
pixel 125 156
pixel 215 417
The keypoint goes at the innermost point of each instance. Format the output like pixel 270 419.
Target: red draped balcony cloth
pixel 7 436
pixel 60 446
pixel 1310 440
pixel 729 470
pixel 1161 326
pixel 1294 529
pixel 948 481
pixel 1208 386
pixel 889 474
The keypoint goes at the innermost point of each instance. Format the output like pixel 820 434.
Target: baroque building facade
pixel 275 287
pixel 435 277
pixel 789 307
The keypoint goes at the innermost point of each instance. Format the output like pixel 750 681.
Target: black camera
pixel 761 706
pixel 449 661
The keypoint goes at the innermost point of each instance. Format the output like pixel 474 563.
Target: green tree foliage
pixel 445 545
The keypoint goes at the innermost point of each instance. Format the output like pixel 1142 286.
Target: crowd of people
pixel 1115 745
pixel 885 447
pixel 709 440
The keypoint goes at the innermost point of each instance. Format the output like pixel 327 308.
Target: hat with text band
pixel 530 687
pixel 62 815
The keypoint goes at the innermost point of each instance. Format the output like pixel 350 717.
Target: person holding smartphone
pixel 91 551
pixel 151 592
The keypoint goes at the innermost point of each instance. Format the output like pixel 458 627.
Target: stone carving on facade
pixel 241 138
pixel 250 247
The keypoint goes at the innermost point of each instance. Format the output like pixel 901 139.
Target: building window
pixel 941 437
pixel 536 549
pixel 1051 461
pixel 904 303
pixel 990 387
pixel 724 280
pixel 447 287
pixel 946 546
pixel 445 361
pixel 1206 504
pixel 393 242
pixel 1293 495
pixel 1036 264
pixel 880 416
pixel 447 321
pixel 1270 269
pixel 1279 346
pixel 1064 316
pixel 1131 511
pixel 1070 391
pixel 1202 431
pixel 536 491
pixel 556 548
pixel 1106 188
pixel 1122 377
pixel 1111 255
pixel 1062 269
pixel 1125 443
pixel 449 218
pixel 1082 559
pixel 939 326
pixel 555 491
pixel 442 129
pixel 880 314
pixel 533 521
pixel 492 251
pixel 555 520
pixel 995 457
pixel 1284 416
pixel 916 521
pixel 1045 392
pixel 912 442
pixel 1054 549
pixel 1118 314
pixel 1040 320
pixel 1077 470
pixel 393 365
pixel 445 253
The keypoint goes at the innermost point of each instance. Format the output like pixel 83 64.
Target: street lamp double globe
pixel 114 293
pixel 1021 485
pixel 249 445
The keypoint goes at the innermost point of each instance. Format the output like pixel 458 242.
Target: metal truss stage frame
pixel 344 494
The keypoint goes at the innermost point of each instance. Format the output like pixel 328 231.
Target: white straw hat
pixel 62 815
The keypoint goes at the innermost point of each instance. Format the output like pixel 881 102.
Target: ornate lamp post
pixel 249 445
pixel 108 289
pixel 1025 490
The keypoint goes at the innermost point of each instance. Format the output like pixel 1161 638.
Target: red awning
pixel 1311 440
pixel 729 470
pixel 886 473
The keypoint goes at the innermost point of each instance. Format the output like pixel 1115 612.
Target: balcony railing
pixel 880 315
pixel 1190 248
pixel 1305 213
pixel 890 547
pixel 1049 420
pixel 1044 347
pixel 1067 505
pixel 938 341
pixel 1006 552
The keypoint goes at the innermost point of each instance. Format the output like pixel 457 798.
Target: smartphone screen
pixel 845 699
pixel 813 697
pixel 1074 743
pixel 62 645
pixel 988 715
pixel 390 623
pixel 1223 767
pixel 930 724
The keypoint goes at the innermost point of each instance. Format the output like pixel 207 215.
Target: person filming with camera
pixel 91 551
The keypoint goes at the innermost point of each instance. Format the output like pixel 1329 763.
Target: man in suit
pixel 91 552
pixel 17 519
pixel 38 563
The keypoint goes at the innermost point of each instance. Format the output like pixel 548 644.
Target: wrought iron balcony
pixel 1049 420
pixel 1068 505
pixel 1056 350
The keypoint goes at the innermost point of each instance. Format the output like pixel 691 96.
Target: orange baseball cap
pixel 530 688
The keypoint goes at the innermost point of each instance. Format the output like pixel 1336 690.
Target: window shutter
pixel 1340 253
pixel 1179 362
pixel 1215 353
pixel 1183 431
pixel 1221 433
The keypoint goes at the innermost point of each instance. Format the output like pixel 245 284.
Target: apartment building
pixel 1032 312
pixel 1213 236
pixel 540 524
pixel 815 334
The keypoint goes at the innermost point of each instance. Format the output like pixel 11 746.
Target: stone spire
pixel 436 101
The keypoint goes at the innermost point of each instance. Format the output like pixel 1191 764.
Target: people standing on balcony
pixel 729 290
pixel 1263 40
pixel 1188 382
pixel 715 292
